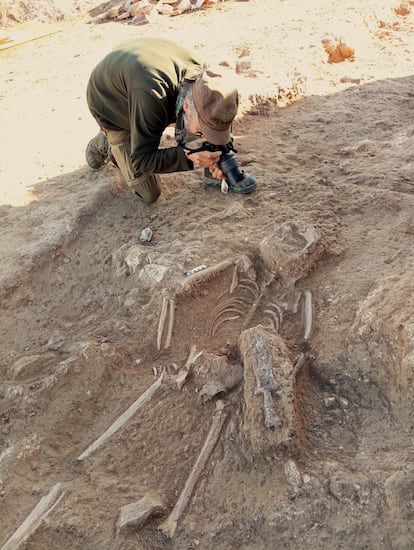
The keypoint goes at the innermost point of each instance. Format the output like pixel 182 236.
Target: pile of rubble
pixel 139 12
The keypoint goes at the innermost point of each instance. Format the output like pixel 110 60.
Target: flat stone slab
pixel 134 515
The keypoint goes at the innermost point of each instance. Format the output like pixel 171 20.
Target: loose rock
pixel 135 514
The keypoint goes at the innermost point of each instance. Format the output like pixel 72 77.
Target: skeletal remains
pixel 47 503
pixel 167 304
pixel 184 372
pixel 35 518
pixel 170 525
pixel 260 360
pixel 120 421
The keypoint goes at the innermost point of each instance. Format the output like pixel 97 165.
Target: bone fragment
pixel 310 235
pixel 206 274
pixel 167 303
pixel 235 279
pixel 121 420
pixel 35 518
pixel 300 361
pixel 274 318
pixel 169 526
pixel 170 324
pixel 184 372
pixel 296 304
pixel 227 377
pixel 308 314
pixel 211 389
pixel 162 321
pixel 293 475
pixel 181 378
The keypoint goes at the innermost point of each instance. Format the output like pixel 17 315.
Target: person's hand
pixel 216 172
pixel 205 159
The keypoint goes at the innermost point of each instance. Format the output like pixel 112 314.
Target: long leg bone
pixel 170 525
pixel 36 516
pixel 308 314
pixel 167 304
pixel 162 321
pixel 170 324
pixel 120 421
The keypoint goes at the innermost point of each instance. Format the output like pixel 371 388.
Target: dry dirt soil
pixel 308 285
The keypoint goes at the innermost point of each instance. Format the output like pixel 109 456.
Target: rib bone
pixel 234 280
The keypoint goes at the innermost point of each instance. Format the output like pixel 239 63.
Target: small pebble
pixel 145 235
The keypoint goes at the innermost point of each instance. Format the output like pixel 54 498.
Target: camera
pixel 229 166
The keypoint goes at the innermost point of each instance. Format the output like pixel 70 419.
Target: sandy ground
pixel 308 281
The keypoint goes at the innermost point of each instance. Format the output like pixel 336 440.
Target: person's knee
pixel 148 198
pixel 147 187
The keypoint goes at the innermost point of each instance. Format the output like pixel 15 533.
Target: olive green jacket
pixel 135 88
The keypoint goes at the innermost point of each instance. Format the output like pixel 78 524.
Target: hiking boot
pixel 97 151
pixel 246 185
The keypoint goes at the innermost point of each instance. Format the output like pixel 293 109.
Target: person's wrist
pixel 188 158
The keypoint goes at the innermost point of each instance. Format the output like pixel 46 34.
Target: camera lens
pixel 230 168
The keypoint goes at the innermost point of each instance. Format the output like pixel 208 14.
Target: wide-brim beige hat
pixel 216 101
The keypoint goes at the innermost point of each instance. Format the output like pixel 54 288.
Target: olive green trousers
pixel 146 186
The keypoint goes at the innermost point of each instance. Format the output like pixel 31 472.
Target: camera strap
pixel 191 151
pixel 207 146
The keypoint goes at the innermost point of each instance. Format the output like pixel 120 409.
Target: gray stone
pixel 153 273
pixel 133 516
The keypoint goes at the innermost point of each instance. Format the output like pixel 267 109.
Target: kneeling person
pixel 138 90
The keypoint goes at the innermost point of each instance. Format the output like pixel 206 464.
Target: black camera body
pixel 230 168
